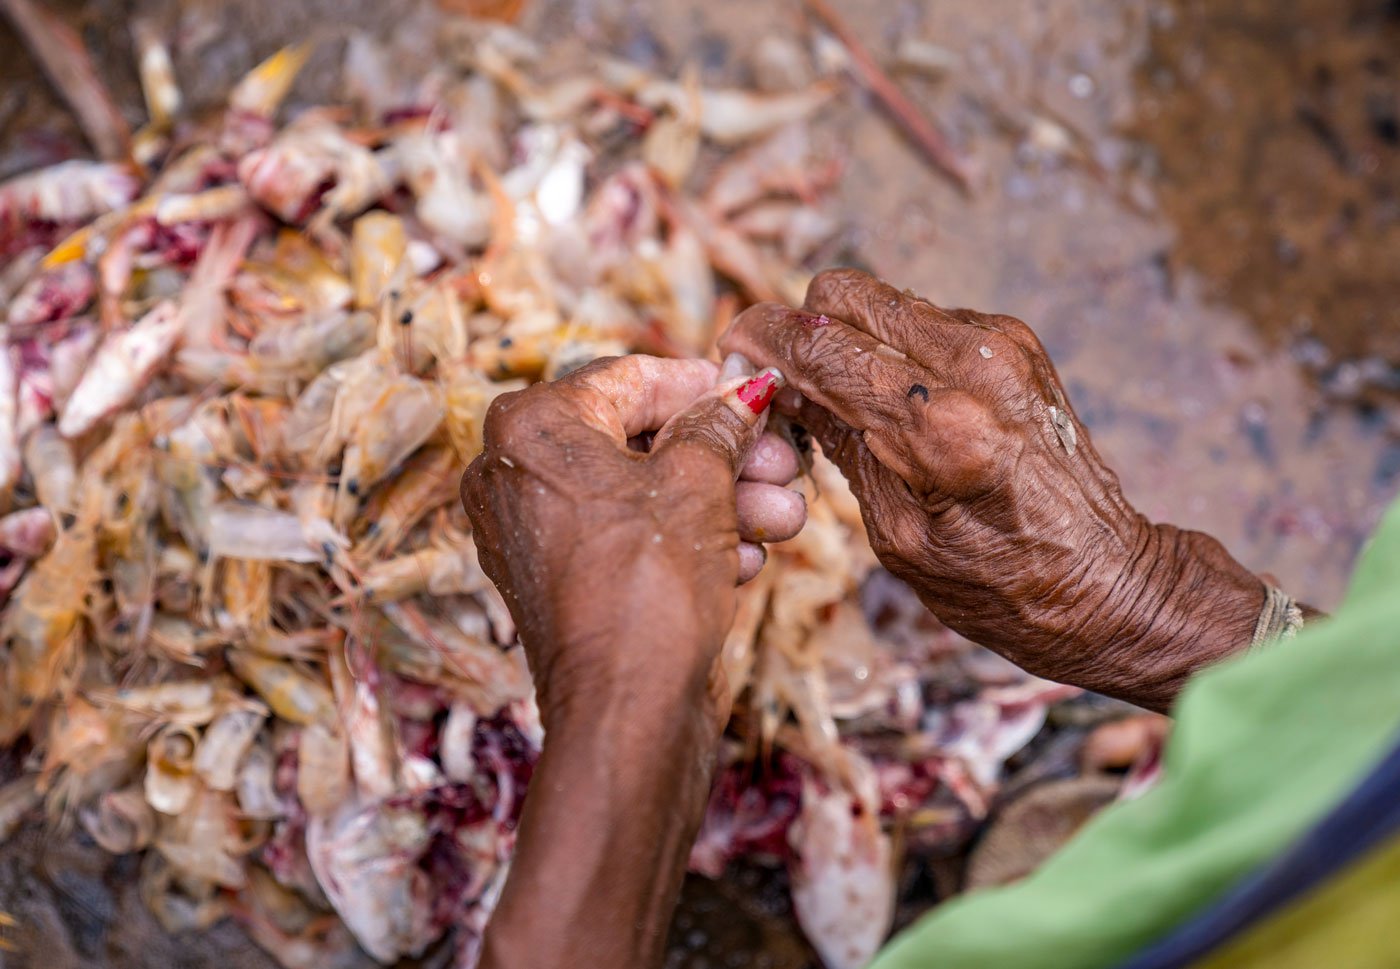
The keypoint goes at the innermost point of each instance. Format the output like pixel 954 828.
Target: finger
pixel 872 388
pixel 735 365
pixel 927 333
pixel 751 560
pixel 887 506
pixel 843 445
pixel 626 396
pixel 725 423
pixel 769 513
pixel 772 461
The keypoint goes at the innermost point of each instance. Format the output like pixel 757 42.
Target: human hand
pixel 980 489
pixel 620 566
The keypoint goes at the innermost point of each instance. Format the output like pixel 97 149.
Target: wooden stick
pixel 904 112
pixel 60 53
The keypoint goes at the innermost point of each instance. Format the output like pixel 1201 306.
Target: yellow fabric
pixel 1351 922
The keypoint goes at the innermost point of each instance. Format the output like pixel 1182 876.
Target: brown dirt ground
pixel 1214 264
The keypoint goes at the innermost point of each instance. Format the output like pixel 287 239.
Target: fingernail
pixel 757 393
pixel 735 365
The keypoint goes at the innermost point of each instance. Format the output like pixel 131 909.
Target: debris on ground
pixel 245 632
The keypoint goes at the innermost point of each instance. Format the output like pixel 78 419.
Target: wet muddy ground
pixel 1196 205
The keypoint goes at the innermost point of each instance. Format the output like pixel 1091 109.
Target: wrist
pixel 641 671
pixel 1180 603
pixel 611 814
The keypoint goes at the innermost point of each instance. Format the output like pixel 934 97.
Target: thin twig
pixel 65 61
pixel 904 112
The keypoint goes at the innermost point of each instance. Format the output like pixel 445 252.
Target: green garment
pixel 1264 745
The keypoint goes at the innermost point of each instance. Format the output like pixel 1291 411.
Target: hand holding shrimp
pixel 620 569
pixel 557 491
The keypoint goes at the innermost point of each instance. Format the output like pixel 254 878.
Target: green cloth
pixel 1263 746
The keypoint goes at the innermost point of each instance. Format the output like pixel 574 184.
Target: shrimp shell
pixel 18 799
pixel 122 822
pixel 170 781
pixel 225 743
pixel 293 694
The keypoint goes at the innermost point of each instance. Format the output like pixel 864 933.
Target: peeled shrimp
pixel 120 368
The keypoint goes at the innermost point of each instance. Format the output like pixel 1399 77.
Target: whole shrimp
pixel 427 481
pixel 447 567
pixel 66 193
pixel 42 627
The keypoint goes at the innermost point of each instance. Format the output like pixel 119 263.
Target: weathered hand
pixel 980 488
pixel 619 566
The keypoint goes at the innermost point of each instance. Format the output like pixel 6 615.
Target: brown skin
pixel 969 494
pixel 620 570
pixel 971 497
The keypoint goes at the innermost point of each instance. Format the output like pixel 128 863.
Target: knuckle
pixel 1017 331
pixel 508 414
pixel 838 285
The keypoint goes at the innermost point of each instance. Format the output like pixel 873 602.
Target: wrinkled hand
pixel 980 489
pixel 618 566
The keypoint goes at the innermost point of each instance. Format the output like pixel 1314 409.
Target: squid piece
pixel 10 461
pixel 843 888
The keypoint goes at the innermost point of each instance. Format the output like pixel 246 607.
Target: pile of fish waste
pixel 246 357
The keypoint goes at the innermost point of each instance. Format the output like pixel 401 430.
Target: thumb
pixel 726 422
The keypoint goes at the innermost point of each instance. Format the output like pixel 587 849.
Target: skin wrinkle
pixel 1011 539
